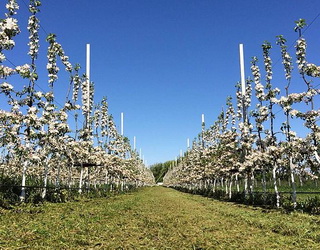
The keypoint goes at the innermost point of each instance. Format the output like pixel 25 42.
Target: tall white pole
pixel 134 143
pixel 121 123
pixel 203 127
pixel 180 153
pixel 188 143
pixel 140 153
pixel 88 79
pixel 243 83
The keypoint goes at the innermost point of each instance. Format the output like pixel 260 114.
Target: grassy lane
pixel 156 218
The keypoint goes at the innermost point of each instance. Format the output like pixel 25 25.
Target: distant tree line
pixel 159 170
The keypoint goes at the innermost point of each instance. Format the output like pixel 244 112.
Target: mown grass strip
pixel 156 218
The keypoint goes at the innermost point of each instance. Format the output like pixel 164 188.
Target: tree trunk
pixel 45 179
pixel 300 180
pixel 80 180
pixel 289 178
pixel 293 184
pixel 246 185
pixel 237 183
pixel 58 177
pixel 279 181
pixel 230 187
pixel 317 156
pixel 251 186
pixel 226 184
pixel 275 186
pixel 88 179
pixel 106 181
pixel 252 183
pixel 23 183
pixel 122 186
pixel 70 175
pixel 264 182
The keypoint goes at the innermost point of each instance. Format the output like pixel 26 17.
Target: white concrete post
pixel 121 123
pixel 88 79
pixel 243 83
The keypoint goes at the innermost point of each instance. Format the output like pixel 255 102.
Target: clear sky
pixel 165 62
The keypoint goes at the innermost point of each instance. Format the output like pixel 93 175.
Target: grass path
pixel 156 218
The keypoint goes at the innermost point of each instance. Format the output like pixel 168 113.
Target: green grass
pixel 155 218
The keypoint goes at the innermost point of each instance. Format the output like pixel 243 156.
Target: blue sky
pixel 165 62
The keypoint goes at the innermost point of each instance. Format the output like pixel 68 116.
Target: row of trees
pixel 42 139
pixel 245 143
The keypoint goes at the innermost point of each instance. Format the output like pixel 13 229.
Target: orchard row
pixel 245 144
pixel 42 139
